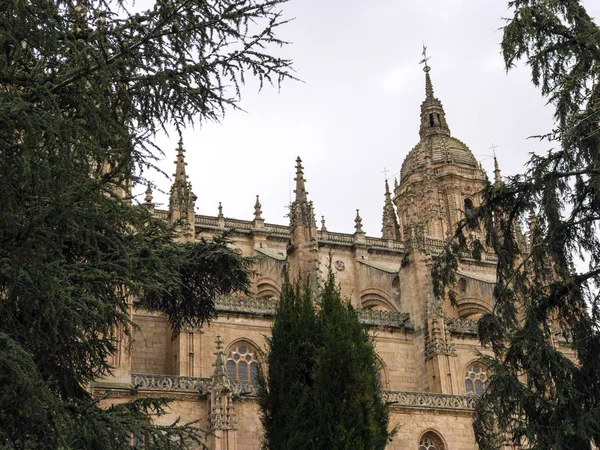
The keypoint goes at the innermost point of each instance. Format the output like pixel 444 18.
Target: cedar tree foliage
pixel 84 86
pixel 321 390
pixel 538 397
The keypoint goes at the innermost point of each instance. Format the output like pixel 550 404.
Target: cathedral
pixel 429 372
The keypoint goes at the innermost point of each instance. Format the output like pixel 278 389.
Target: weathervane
pixel 426 58
pixel 384 172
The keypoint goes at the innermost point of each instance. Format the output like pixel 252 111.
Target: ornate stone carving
pixel 429 400
pixel 390 319
pixel 253 305
pixel 339 265
pixel 169 383
pixel 461 326
pixel 438 340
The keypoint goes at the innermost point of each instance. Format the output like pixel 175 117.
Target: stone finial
pixel 390 229
pixel 257 210
pixel 395 183
pixel 323 227
pixel 220 215
pixel 358 222
pixel 219 377
pixel 148 198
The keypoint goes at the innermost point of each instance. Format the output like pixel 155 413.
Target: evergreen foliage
pixel 83 88
pixel 321 390
pixel 538 397
pixel 286 395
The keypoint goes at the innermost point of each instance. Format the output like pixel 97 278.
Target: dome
pixel 441 149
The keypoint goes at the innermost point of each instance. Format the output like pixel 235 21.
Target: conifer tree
pixel 350 413
pixel 539 398
pixel 84 87
pixel 286 393
pixel 321 390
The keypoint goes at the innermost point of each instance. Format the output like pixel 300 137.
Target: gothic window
pixel 476 379
pixel 242 362
pixel 431 441
pixel 468 207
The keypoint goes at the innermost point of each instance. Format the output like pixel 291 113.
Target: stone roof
pixel 441 149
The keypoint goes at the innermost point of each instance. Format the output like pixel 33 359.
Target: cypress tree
pixel 350 413
pixel 538 396
pixel 286 394
pixel 322 390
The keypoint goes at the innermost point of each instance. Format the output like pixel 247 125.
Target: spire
pixel 428 87
pixel 180 163
pixel 220 215
pixel 497 176
pixel 181 198
pixel 390 229
pixel 433 117
pixel 257 210
pixel 301 212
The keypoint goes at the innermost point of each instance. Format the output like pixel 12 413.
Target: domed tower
pixel 439 179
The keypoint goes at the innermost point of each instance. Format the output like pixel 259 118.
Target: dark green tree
pixel 84 87
pixel 350 413
pixel 538 397
pixel 286 393
pixel 321 390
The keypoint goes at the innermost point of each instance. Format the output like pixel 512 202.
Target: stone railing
pixel 390 319
pixel 207 221
pixel 252 305
pixel 169 383
pixel 377 242
pixel 429 400
pixel 239 224
pixel 267 307
pixel 339 237
pixel 461 326
pixel 280 230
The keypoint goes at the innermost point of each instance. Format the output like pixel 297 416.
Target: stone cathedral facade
pixel 429 370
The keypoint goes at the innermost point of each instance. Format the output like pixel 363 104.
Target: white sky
pixel 357 109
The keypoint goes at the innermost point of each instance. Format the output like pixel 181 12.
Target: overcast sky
pixel 357 110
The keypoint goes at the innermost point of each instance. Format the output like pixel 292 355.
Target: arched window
pixel 431 441
pixel 476 379
pixel 242 364
pixel 468 207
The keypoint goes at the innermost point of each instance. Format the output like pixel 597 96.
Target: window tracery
pixel 476 379
pixel 242 364
pixel 431 441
